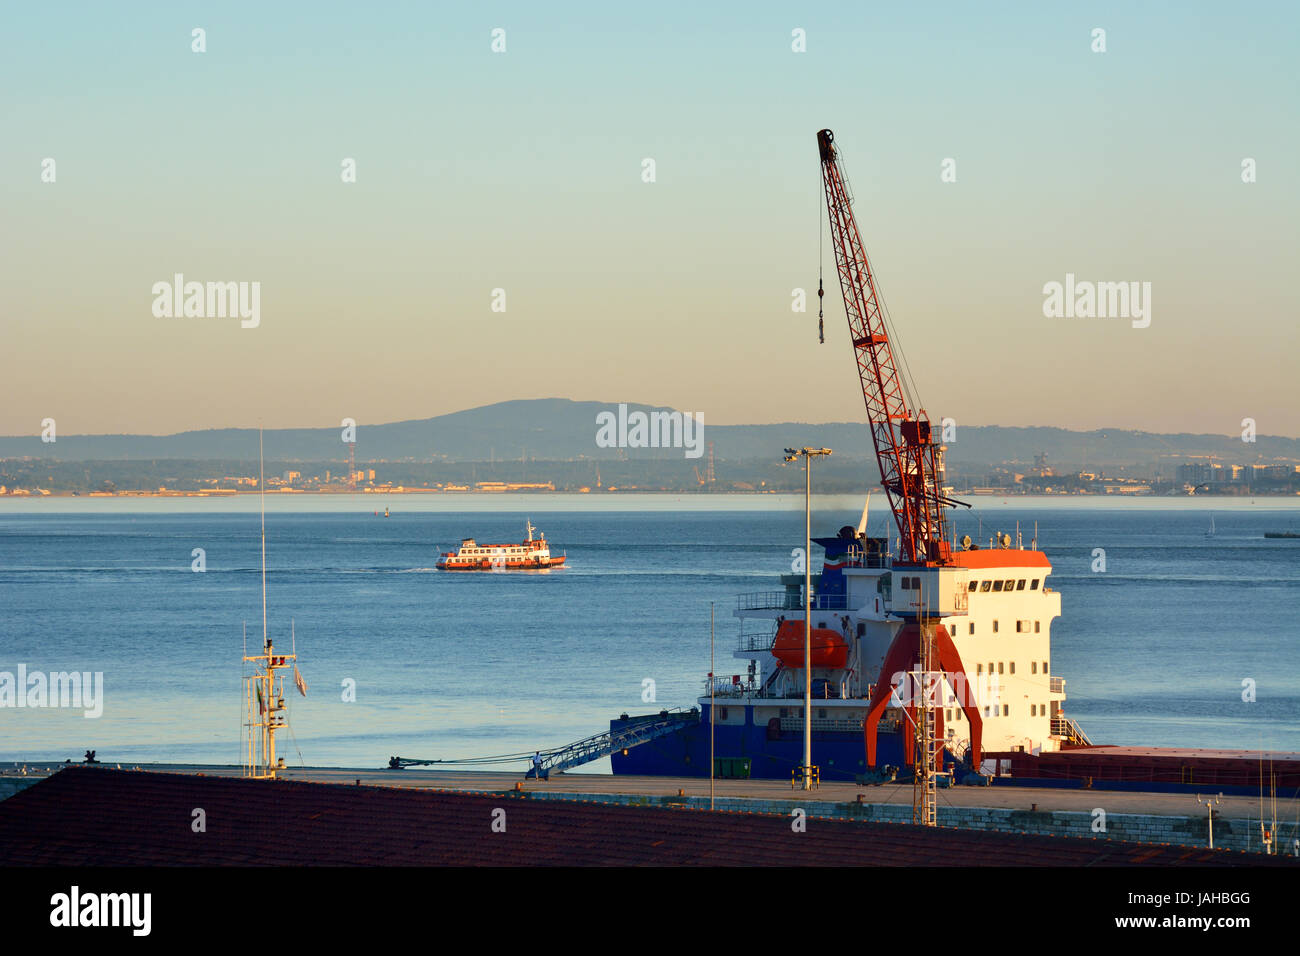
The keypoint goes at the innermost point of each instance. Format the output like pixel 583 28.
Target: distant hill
pixel 560 429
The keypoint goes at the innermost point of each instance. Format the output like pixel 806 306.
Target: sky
pixel 523 171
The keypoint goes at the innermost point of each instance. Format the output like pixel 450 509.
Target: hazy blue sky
pixel 522 171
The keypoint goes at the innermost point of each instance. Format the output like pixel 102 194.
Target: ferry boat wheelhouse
pixel 999 621
pixel 532 554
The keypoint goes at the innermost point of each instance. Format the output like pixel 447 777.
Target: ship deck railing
pixel 757 640
pixel 1067 729
pixel 789 601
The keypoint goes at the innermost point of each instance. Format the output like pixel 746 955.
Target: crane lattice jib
pixel 905 451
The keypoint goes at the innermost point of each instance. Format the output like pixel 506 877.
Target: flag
pixel 261 705
pixel 298 682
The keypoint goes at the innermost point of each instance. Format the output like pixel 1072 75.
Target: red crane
pixel 905 447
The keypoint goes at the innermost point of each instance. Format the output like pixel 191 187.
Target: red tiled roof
pixel 97 817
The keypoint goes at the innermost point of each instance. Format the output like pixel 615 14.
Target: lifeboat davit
pixel 829 649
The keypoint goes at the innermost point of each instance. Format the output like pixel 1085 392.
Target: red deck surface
pixel 1189 766
pixel 92 816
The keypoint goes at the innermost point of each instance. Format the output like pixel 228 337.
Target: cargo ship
pixel 1004 610
pixel 531 554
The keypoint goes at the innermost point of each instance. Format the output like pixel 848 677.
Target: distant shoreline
pixel 523 504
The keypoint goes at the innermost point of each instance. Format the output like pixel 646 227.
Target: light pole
pixel 808 454
pixel 1209 803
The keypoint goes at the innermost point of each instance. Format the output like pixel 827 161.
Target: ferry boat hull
pixel 487 564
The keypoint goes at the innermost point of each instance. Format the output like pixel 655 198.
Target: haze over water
pixel 1154 650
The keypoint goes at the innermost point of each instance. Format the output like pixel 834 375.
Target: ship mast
pixel 263 697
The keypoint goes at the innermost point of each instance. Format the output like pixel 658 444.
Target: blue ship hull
pixel 773 755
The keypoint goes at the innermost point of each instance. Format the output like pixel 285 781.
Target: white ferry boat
pixel 531 554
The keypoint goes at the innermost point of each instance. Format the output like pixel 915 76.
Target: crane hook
pixel 821 333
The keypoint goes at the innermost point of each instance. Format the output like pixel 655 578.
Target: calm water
pixel 1154 650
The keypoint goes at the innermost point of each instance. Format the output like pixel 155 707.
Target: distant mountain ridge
pixel 560 429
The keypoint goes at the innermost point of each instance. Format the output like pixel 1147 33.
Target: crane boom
pixel 905 449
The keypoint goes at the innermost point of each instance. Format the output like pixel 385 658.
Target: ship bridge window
pixel 1009 585
pixel 1020 585
pixel 973 585
pixel 997 585
pixel 1033 585
pixel 985 585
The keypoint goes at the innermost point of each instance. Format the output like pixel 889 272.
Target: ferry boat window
pixel 1012 665
pixel 1033 667
pixel 1044 667
pixel 973 586
pixel 947 715
pixel 986 712
pixel 979 668
pixel 1020 585
pixel 997 585
pixel 1010 585
pixel 1033 585
pixel 972 628
pixel 1006 710
pixel 985 585
pixel 995 627
pixel 722 713
pixel 1037 625
pixel 999 667
pixel 1017 627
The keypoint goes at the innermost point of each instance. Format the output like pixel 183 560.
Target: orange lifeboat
pixel 829 649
